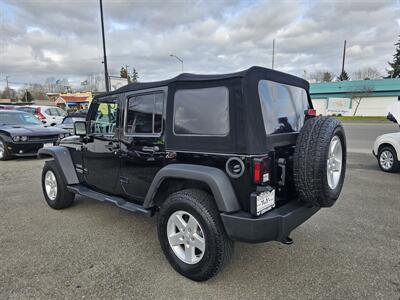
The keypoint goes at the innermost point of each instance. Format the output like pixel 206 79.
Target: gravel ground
pixel 95 250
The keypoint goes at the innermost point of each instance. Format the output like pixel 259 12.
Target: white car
pixel 387 146
pixel 49 115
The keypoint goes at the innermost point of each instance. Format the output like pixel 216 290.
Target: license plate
pixel 265 202
pixel 47 145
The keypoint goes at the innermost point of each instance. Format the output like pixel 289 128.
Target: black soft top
pixel 247 132
pixel 256 71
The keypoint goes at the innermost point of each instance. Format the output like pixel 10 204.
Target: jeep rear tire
pixel 192 236
pixel 54 187
pixel 320 161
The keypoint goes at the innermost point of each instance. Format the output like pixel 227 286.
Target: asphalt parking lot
pixel 95 250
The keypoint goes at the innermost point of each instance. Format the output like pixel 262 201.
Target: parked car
pixel 21 134
pixel 68 122
pixel 219 158
pixel 387 146
pixel 49 115
pixel 7 107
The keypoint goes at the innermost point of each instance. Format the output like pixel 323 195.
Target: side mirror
pixel 80 128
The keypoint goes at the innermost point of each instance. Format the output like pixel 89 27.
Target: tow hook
pixel 287 241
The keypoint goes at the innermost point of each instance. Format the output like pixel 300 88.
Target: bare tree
pixel 360 94
pixel 321 76
pixel 367 73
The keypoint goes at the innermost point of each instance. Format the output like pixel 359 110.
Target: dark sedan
pixel 21 134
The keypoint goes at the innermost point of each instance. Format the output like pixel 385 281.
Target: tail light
pixel 311 112
pixel 261 170
pixel 39 114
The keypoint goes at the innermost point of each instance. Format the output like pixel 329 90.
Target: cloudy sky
pixel 39 39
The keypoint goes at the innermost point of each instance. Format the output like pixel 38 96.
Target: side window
pixel 282 106
pixel 53 112
pixel 61 112
pixel 145 114
pixel 105 120
pixel 202 111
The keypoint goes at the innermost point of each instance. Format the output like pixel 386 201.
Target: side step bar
pixel 118 201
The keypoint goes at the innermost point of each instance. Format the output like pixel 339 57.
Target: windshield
pixel 10 118
pixel 72 120
pixel 282 106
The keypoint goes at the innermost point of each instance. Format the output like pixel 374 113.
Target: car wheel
pixel 54 187
pixel 387 159
pixel 192 236
pixel 4 153
pixel 320 161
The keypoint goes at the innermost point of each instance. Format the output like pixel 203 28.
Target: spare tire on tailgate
pixel 320 161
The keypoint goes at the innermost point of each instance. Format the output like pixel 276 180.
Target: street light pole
pixel 104 48
pixel 172 55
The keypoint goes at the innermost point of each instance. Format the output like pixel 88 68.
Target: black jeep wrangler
pixel 218 158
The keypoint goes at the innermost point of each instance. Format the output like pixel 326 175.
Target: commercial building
pixel 359 97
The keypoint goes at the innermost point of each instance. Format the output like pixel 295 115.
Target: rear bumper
pixel 275 225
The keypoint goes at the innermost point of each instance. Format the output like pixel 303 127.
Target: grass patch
pixel 361 119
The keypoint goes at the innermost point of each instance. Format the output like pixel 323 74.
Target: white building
pixel 360 97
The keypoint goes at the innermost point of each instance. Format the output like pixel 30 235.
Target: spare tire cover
pixel 320 161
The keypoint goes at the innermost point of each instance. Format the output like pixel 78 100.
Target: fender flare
pixel 216 179
pixel 63 161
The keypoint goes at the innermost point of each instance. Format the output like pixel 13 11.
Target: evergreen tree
pixel 27 97
pixel 343 76
pixel 395 65
pixel 327 76
pixel 124 74
pixel 135 75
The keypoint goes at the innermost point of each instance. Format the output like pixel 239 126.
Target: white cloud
pixel 63 38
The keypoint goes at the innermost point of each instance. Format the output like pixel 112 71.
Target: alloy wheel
pixel 2 149
pixel 186 237
pixel 50 183
pixel 386 159
pixel 334 162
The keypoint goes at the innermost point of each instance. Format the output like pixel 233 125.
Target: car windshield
pixel 21 118
pixel 72 120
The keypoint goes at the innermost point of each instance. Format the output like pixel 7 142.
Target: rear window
pixel 202 112
pixel 282 106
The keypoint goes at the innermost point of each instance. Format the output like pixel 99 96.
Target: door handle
pixel 150 149
pixel 111 146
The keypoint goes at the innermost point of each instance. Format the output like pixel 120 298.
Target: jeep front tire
pixel 192 236
pixel 54 187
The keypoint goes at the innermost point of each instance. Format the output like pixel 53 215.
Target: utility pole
pixel 104 47
pixel 344 56
pixel 7 81
pixel 273 53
